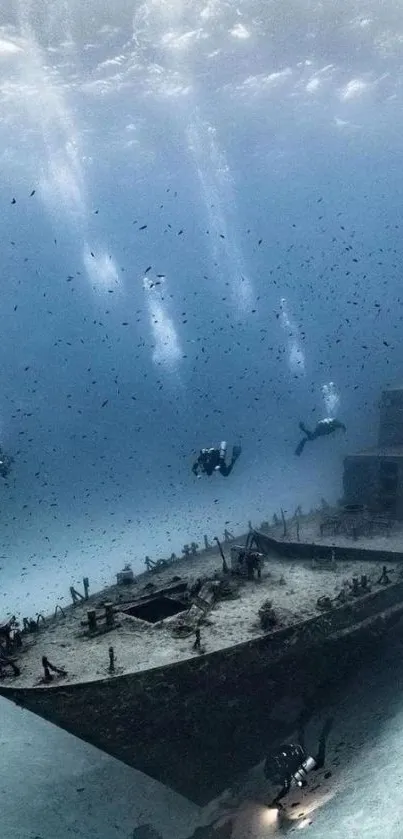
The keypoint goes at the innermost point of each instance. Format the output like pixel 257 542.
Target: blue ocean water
pixel 201 240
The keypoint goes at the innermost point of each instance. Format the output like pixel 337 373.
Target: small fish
pixel 143 227
pixel 13 201
pixel 161 276
pixel 32 193
pixel 148 269
pixel 180 232
pixel 222 236
pixel 260 241
pixel 105 402
pixel 92 254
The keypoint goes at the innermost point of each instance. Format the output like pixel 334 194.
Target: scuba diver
pixel 5 464
pixel 291 763
pixel 322 428
pixel 213 460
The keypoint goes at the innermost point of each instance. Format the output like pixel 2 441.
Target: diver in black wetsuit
pixel 322 428
pixel 291 763
pixel 213 460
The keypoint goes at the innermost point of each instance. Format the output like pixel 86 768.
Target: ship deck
pixel 293 586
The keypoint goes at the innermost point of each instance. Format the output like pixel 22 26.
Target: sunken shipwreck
pixel 193 669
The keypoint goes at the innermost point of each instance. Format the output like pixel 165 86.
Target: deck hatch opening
pixel 156 609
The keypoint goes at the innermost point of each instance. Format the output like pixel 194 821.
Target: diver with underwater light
pixel 290 764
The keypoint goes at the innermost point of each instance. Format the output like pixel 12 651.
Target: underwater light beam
pixel 296 356
pixel 167 350
pixel 101 269
pixel 62 182
pixel 163 24
pixel 217 190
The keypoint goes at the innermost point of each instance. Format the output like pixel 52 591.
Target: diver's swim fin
pixel 327 728
pixel 300 447
pixel 236 452
pixel 321 756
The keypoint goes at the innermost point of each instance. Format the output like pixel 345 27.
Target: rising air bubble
pixel 331 398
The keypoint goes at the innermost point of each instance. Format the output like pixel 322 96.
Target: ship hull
pixel 195 724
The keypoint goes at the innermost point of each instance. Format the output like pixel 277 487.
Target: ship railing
pixel 354 521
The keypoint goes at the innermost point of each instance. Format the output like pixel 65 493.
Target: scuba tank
pixel 223 451
pixel 300 775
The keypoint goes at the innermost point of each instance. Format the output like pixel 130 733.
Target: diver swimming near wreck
pixel 291 763
pixel 322 429
pixel 214 460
